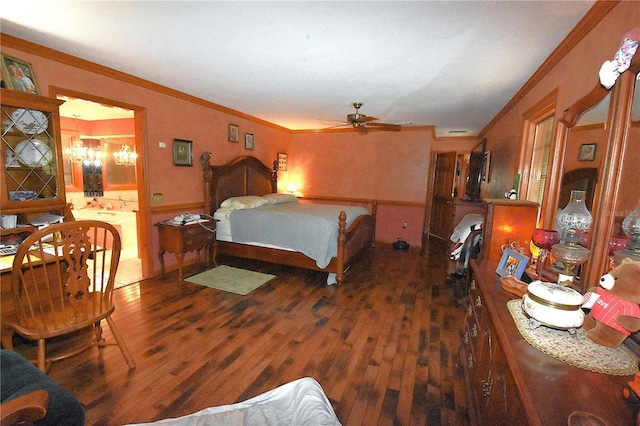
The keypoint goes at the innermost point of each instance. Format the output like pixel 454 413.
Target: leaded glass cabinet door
pixel 31 152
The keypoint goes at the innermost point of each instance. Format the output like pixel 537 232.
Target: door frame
pixel 142 218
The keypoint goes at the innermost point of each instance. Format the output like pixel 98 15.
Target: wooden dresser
pixel 508 380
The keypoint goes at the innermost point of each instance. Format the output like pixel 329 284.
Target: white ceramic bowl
pixel 553 305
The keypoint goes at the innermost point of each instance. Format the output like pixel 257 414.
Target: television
pixel 474 172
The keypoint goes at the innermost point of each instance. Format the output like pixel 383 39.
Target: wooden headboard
pixel 244 175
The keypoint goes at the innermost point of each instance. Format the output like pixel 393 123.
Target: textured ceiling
pixel 301 65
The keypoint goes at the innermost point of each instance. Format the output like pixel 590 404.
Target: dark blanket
pixel 19 377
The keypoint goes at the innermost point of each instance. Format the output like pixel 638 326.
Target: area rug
pixel 577 350
pixel 233 280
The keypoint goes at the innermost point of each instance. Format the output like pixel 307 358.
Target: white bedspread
pixel 311 229
pixel 301 402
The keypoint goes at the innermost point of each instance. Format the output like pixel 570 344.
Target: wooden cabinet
pixel 181 239
pixel 492 392
pixel 507 222
pixel 447 209
pixel 510 382
pixel 31 157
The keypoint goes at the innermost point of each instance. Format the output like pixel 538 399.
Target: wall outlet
pixel 157 197
pixel 405 225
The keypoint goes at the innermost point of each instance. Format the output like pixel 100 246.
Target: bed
pixel 248 176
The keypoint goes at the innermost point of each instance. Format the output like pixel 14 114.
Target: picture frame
pixel 587 152
pixel 282 161
pixel 248 141
pixel 234 133
pixel 486 167
pixel 512 263
pixel 182 153
pixel 18 75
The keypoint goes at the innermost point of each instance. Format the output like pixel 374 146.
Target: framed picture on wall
pixel 18 75
pixel 248 141
pixel 282 161
pixel 587 152
pixel 182 153
pixel 234 133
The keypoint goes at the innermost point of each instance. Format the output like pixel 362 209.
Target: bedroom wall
pixel 166 116
pixel 395 164
pixel 574 76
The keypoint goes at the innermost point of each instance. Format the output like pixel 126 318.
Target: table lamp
pixel 574 218
pixel 631 227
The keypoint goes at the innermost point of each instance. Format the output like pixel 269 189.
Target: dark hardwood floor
pixel 383 345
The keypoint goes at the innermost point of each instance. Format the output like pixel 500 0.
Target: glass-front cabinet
pixel 32 173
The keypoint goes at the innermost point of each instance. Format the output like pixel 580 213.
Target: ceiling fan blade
pixel 338 125
pixel 367 119
pixel 386 126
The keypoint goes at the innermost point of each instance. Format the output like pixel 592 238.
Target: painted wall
pixel 574 76
pixel 387 166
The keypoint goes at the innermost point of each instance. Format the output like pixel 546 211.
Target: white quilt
pixel 301 402
pixel 311 229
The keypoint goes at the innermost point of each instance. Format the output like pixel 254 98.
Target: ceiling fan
pixel 362 122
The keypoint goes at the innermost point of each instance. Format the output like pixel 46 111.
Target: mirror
pixel 585 147
pixel 582 145
pixel 627 196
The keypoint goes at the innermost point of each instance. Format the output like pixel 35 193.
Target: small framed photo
pixel 587 152
pixel 248 141
pixel 234 133
pixel 18 75
pixel 512 263
pixel 182 153
pixel 282 161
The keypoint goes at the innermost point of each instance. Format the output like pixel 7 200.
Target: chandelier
pixel 78 153
pixel 125 157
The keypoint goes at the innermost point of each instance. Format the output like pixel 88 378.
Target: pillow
pixel 280 198
pixel 244 202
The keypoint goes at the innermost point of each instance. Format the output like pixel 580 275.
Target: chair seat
pixel 59 321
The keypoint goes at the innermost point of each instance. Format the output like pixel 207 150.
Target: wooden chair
pixel 62 282
pixel 25 409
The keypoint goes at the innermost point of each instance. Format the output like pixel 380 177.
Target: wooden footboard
pixel 351 243
pixel 248 176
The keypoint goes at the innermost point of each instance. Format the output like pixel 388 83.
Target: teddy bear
pixel 615 313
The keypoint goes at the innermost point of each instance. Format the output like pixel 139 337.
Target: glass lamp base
pixel 621 254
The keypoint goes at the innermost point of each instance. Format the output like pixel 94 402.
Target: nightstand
pixel 181 239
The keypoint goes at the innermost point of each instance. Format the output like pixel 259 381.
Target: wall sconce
pixel 574 218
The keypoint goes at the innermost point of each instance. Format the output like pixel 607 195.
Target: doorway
pixel 116 194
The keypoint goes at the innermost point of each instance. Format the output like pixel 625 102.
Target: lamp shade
pixel 575 215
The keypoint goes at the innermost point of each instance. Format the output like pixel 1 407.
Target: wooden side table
pixel 181 239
